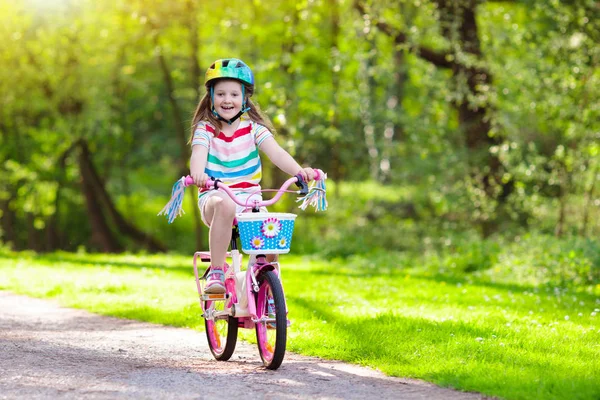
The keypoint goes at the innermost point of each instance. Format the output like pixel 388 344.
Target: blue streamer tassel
pixel 316 196
pixel 174 207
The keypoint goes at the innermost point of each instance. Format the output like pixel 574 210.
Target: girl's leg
pixel 219 211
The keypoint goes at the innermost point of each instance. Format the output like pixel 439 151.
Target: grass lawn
pixel 510 341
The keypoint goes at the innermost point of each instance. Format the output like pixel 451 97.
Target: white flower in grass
pixel 271 227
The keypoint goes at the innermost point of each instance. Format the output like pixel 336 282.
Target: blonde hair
pixel 204 111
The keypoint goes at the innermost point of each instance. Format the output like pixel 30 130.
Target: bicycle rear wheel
pixel 221 332
pixel 271 335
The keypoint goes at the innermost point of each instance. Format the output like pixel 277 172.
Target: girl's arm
pixel 284 161
pixel 197 165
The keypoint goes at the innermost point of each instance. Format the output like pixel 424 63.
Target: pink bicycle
pixel 254 297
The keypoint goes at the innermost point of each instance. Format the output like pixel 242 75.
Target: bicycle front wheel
pixel 271 333
pixel 221 332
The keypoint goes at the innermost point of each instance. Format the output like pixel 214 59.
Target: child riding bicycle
pixel 227 132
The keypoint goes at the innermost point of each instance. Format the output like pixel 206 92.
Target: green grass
pixel 502 339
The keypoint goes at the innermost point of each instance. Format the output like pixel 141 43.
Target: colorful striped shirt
pixel 234 159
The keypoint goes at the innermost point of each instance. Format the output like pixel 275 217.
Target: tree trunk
pixel 7 216
pixel 33 235
pixel 102 236
pixel 197 81
pixel 273 176
pixel 180 130
pixel 393 129
pixel 99 190
pixel 366 87
pixel 565 185
pixel 562 200
pixel 589 199
pixel 459 25
pixel 8 221
pixel 337 170
pixel 54 236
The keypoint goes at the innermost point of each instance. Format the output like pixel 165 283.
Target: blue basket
pixel 266 233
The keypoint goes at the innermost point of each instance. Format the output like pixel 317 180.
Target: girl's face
pixel 228 98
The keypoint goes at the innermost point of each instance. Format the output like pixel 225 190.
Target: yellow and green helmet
pixel 230 68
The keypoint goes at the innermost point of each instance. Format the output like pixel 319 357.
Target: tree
pixel 472 81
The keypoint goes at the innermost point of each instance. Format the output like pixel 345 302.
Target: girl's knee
pixel 223 207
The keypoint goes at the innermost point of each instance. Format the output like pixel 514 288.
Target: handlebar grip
pixel 302 185
pixel 211 182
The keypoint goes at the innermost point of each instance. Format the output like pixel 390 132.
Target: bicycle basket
pixel 266 233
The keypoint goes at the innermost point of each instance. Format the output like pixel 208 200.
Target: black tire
pixel 271 337
pixel 219 331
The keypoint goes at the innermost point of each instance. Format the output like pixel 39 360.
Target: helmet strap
pixel 218 116
pixel 232 120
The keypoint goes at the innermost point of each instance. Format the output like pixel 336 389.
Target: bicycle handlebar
pixel 298 180
pixel 315 196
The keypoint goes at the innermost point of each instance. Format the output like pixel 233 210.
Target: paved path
pixel 50 352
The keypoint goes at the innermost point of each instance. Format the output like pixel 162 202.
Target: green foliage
pixel 346 95
pixel 468 258
pixel 545 260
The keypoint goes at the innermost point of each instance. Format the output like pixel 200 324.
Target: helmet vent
pixel 225 63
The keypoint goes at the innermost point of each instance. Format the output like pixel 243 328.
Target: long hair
pixel 204 112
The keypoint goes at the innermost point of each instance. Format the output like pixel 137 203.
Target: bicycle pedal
pixel 271 325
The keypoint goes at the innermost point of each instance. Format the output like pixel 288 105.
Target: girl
pixel 229 151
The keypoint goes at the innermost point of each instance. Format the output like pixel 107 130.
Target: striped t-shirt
pixel 235 159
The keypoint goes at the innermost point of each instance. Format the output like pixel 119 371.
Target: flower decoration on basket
pixel 283 243
pixel 257 242
pixel 271 227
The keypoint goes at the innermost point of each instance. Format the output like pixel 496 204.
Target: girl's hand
pixel 199 179
pixel 308 174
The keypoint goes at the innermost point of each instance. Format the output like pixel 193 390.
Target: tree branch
pixel 439 59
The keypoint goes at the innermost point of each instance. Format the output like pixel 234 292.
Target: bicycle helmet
pixel 229 68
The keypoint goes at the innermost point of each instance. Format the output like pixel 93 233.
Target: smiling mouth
pixel 227 108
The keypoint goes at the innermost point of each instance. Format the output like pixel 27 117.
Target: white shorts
pixel 244 197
